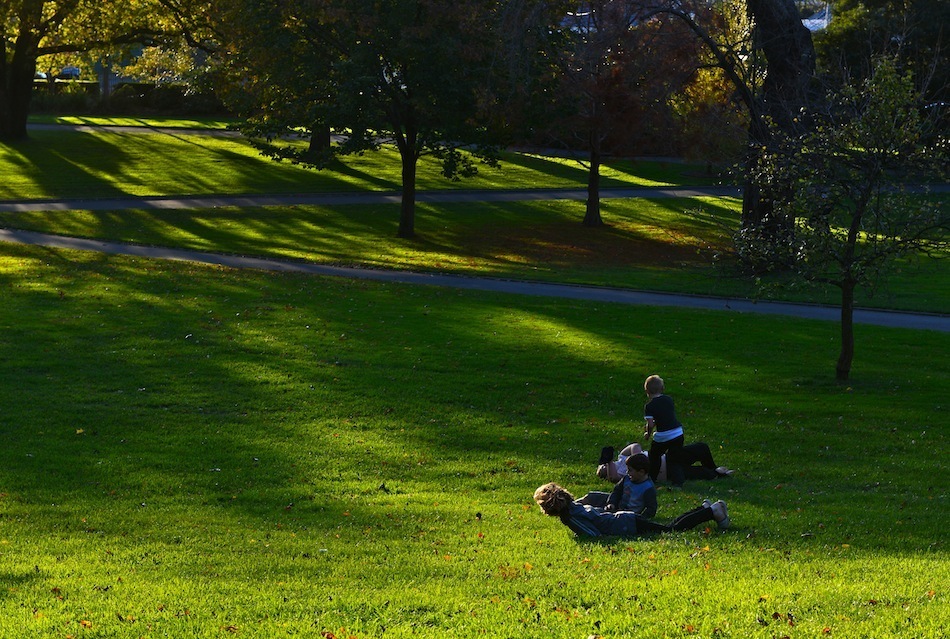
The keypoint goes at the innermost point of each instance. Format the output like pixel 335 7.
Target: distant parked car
pixel 39 75
pixel 68 73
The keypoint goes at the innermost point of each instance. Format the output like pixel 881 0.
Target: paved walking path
pixel 356 197
pixel 920 321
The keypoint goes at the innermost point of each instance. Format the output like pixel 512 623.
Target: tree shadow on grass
pixel 111 163
pixel 66 165
pixel 246 392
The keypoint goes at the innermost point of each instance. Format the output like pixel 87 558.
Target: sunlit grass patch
pixel 197 451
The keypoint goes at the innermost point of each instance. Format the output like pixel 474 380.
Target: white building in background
pixel 819 19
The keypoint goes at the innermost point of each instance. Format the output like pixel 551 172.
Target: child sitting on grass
pixel 635 491
pixel 586 521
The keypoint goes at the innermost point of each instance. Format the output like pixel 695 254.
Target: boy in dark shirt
pixel 663 426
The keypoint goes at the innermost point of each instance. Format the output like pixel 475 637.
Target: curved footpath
pixel 921 321
pixel 355 197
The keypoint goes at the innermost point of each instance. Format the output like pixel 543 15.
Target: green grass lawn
pixel 191 451
pixel 661 244
pixel 56 163
pixel 201 122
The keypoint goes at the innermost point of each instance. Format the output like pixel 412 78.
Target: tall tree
pixel 770 58
pixel 32 29
pixel 847 185
pixel 414 73
pixel 616 67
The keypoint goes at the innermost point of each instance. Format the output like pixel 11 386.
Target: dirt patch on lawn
pixel 575 245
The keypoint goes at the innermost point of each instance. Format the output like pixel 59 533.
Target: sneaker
pixel 707 503
pixel 722 471
pixel 720 514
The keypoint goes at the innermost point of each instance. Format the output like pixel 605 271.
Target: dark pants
pixel 697 453
pixel 674 466
pixel 686 521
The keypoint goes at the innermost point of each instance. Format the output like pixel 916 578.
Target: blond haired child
pixel 665 429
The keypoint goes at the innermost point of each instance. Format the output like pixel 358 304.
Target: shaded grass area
pixel 114 162
pixel 201 122
pixel 664 244
pixel 195 451
pixel 489 238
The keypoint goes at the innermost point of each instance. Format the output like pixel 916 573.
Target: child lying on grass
pixel 587 521
pixel 689 456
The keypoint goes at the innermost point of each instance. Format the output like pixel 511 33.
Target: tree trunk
pixel 17 68
pixel 407 210
pixel 756 207
pixel 790 52
pixel 319 139
pixel 592 215
pixel 790 56
pixel 16 91
pixel 843 369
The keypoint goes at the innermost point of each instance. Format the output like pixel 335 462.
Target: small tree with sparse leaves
pixel 852 195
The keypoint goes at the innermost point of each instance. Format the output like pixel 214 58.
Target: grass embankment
pixel 114 162
pixel 194 451
pixel 658 244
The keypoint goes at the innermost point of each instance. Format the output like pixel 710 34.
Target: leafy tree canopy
pixel 33 29
pixel 848 192
pixel 417 73
pixel 913 31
